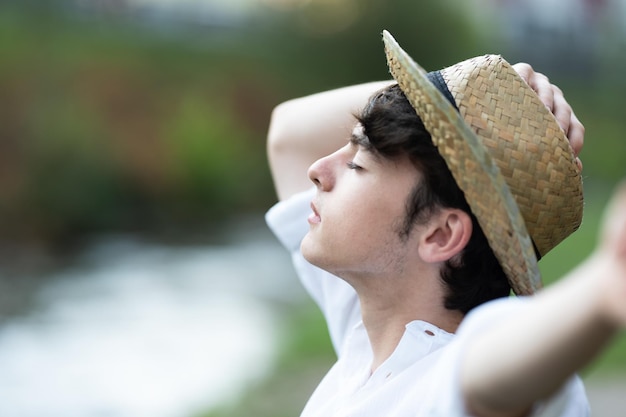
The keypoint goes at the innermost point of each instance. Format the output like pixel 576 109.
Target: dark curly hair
pixel 392 128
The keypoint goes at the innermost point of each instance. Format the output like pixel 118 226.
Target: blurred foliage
pixel 110 128
pixel 114 123
pixel 324 44
pixel 111 122
pixel 599 105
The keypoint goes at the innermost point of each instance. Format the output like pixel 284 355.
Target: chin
pixel 306 247
pixel 311 251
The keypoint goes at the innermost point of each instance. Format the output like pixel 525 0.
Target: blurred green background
pixel 119 117
pixel 112 120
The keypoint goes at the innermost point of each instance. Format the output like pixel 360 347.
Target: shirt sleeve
pixel 569 401
pixel 337 300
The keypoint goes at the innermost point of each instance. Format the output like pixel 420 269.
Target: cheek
pixel 370 222
pixel 355 237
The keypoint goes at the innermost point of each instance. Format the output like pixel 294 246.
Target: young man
pixel 439 200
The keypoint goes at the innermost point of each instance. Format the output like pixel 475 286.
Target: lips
pixel 314 217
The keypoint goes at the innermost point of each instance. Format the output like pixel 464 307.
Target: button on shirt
pixel 394 389
pixel 420 378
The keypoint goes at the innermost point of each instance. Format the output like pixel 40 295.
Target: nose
pixel 321 173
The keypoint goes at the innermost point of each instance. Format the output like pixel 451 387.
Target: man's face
pixel 358 210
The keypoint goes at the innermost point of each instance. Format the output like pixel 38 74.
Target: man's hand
pixel 553 98
pixel 611 255
pixel 613 236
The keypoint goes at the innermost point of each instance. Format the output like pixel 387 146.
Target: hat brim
pixel 475 172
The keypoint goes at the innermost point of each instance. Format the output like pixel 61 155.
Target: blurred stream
pixel 134 329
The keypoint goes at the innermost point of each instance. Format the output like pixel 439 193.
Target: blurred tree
pixel 321 44
pixel 114 121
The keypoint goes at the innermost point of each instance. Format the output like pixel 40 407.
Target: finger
pixel 618 199
pixel 524 70
pixel 541 84
pixel 620 206
pixel 561 110
pixel 537 81
pixel 568 121
pixel 615 219
pixel 576 134
pixel 552 97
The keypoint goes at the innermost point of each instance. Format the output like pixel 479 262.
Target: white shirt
pixel 420 378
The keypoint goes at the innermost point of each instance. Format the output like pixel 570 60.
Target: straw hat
pixel 506 152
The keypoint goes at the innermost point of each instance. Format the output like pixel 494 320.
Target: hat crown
pixel 525 141
pixel 505 151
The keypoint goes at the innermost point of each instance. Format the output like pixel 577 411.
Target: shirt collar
pixel 420 339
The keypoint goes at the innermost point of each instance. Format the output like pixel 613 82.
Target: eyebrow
pixel 362 141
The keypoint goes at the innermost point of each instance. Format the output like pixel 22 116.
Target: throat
pixel 385 331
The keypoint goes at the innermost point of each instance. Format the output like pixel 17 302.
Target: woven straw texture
pixel 505 151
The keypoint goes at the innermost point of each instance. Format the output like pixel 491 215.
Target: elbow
pixel 279 134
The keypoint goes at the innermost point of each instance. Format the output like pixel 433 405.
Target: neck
pixel 388 308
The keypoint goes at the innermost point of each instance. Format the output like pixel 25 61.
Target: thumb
pixel 613 231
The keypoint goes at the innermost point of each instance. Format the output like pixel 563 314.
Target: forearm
pixel 531 356
pixel 305 129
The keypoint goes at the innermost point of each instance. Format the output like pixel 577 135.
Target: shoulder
pixel 491 313
pixel 287 219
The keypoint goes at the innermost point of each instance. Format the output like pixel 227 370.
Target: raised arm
pixel 305 129
pixel 560 331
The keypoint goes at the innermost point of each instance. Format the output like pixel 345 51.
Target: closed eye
pixel 352 165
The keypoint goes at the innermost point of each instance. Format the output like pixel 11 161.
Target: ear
pixel 445 235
